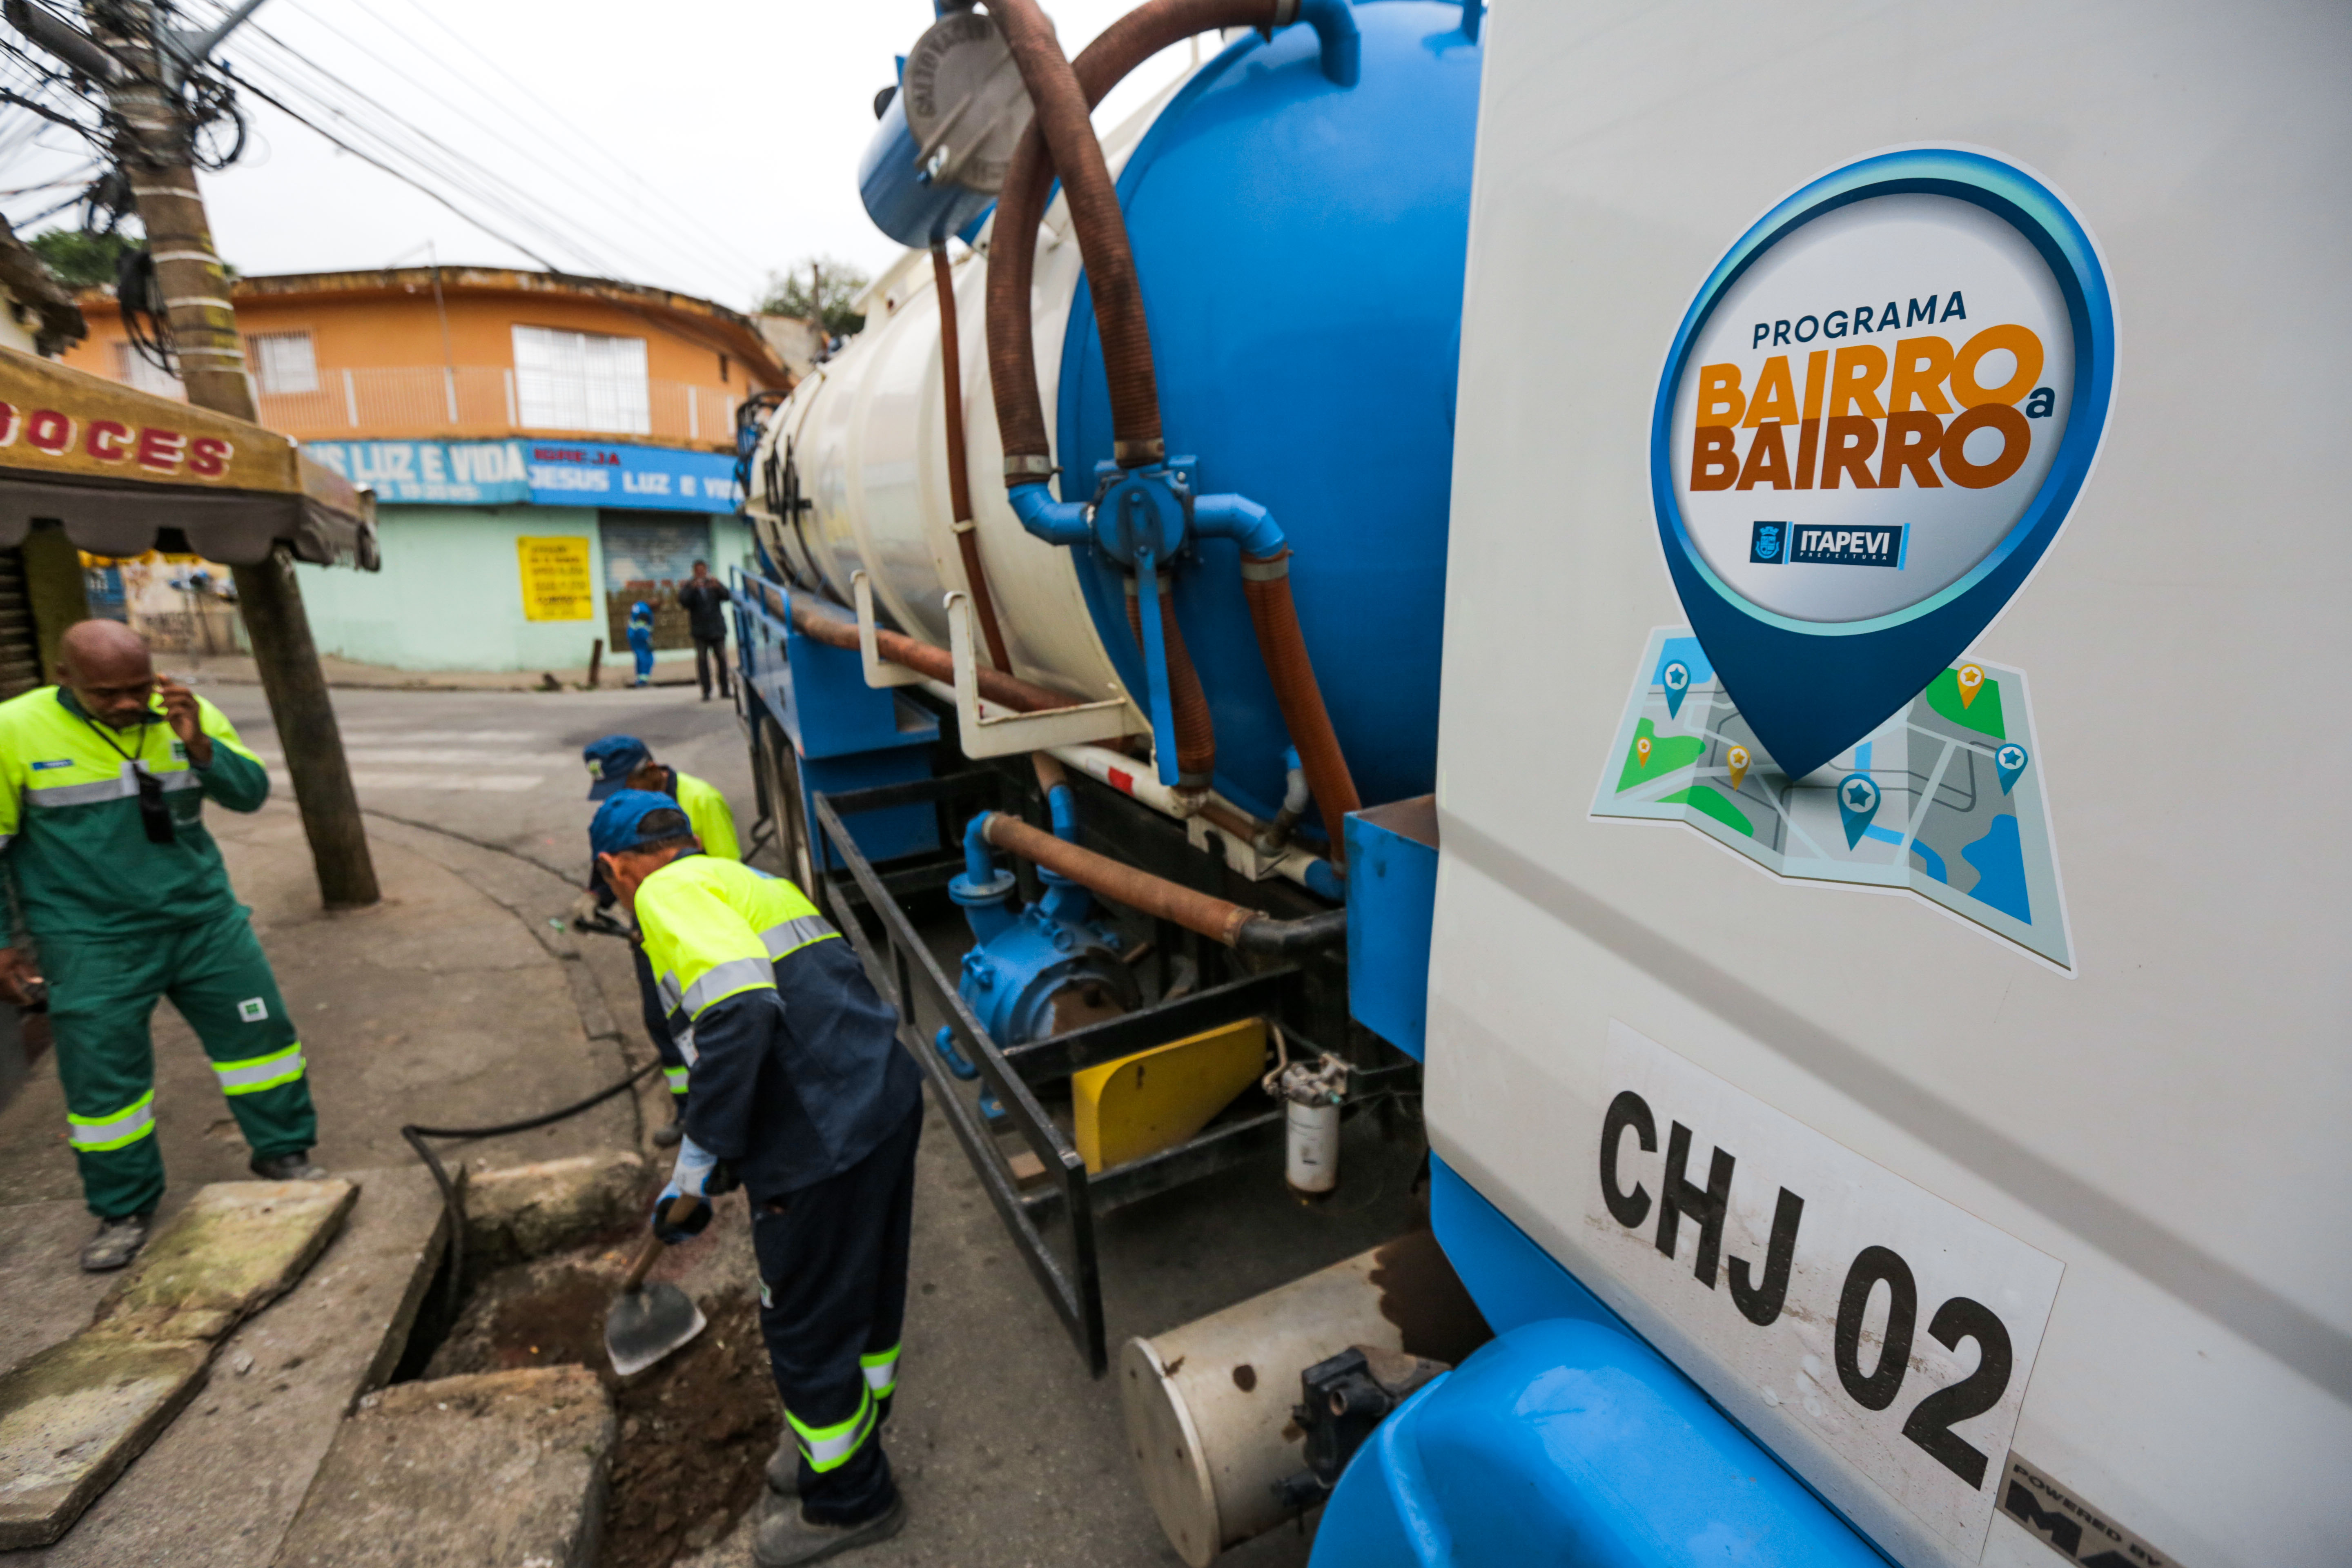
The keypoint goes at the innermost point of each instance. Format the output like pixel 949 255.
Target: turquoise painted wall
pixel 450 593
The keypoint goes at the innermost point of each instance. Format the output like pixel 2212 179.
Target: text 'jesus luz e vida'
pixel 1861 402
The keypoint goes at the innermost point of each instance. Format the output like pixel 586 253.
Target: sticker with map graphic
pixel 1943 798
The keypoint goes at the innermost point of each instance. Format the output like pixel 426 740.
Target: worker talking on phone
pixel 103 779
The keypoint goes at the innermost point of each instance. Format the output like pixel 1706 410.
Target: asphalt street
pixel 1010 1453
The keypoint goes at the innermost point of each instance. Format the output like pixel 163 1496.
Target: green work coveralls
pixel 121 920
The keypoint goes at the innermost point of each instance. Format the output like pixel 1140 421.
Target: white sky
pixel 698 148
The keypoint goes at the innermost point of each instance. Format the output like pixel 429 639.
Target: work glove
pixel 701 1174
pixel 672 1233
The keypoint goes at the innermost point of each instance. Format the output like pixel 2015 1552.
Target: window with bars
pixel 134 369
pixel 282 362
pixel 580 381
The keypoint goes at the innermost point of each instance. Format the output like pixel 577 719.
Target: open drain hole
pixel 695 1430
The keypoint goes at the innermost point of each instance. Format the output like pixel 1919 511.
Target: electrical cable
pixel 378 162
pixel 454 1201
pixel 571 179
pixel 457 166
pixel 583 137
pixel 358 115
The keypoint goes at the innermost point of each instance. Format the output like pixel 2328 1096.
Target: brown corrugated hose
pixel 983 604
pixel 1234 925
pixel 1211 917
pixel 1266 584
pixel 1005 690
pixel 1061 111
pixel 1196 734
pixel 1012 249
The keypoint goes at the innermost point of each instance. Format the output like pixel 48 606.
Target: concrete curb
pixel 410 1479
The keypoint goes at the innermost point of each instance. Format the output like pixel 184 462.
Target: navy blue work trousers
pixel 833 1299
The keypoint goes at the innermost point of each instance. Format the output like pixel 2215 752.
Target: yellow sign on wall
pixel 556 579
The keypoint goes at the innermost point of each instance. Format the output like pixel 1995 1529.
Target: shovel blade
pixel 643 1326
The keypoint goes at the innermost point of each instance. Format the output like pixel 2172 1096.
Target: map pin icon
pixel 1737 758
pixel 1676 679
pixel 1823 621
pixel 2008 761
pixel 1971 681
pixel 1642 751
pixel 1858 799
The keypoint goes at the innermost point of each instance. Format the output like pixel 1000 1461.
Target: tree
pixel 81 261
pixel 819 287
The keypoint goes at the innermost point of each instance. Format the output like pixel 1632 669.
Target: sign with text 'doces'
pixel 1897 1327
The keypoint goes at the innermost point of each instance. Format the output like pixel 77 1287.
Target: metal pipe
pixel 1061 800
pixel 1234 925
pixel 967 532
pixel 1196 732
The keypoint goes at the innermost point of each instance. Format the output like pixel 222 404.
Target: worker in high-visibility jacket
pixel 102 785
pixel 623 761
pixel 803 1095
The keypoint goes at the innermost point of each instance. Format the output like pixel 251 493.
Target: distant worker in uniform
pixel 102 785
pixel 705 599
pixel 803 1097
pixel 641 640
pixel 623 761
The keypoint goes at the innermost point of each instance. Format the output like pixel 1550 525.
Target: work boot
pixel 294 1167
pixel 118 1241
pixel 784 1468
pixel 668 1134
pixel 785 1539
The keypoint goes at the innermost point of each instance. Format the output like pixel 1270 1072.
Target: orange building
pixel 519 429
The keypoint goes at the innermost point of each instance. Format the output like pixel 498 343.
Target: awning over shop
pixel 117 465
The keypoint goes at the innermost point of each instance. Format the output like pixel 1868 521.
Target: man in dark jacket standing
pixel 704 599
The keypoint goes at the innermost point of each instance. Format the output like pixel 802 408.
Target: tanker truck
pixel 1683 601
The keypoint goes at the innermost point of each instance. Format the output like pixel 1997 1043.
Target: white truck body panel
pixel 2165 1118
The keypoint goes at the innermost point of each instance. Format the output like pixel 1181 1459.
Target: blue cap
pixel 620 821
pixel 611 761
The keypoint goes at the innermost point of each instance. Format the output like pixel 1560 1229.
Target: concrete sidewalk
pixel 457 1001
pixel 452 1003
pixel 446 1003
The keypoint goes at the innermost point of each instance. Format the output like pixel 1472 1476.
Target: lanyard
pixel 138 757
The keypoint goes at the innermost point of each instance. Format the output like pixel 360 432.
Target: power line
pixel 366 116
pixel 569 165
pixel 453 108
pixel 453 169
pixel 584 139
pixel 395 174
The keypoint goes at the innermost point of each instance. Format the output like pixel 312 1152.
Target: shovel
pixel 647 1322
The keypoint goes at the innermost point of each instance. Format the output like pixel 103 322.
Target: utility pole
pixel 154 152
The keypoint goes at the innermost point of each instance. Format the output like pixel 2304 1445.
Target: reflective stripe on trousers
pixel 95 1134
pixel 796 934
pixel 881 1369
pixel 676 1077
pixel 830 1447
pixel 255 1074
